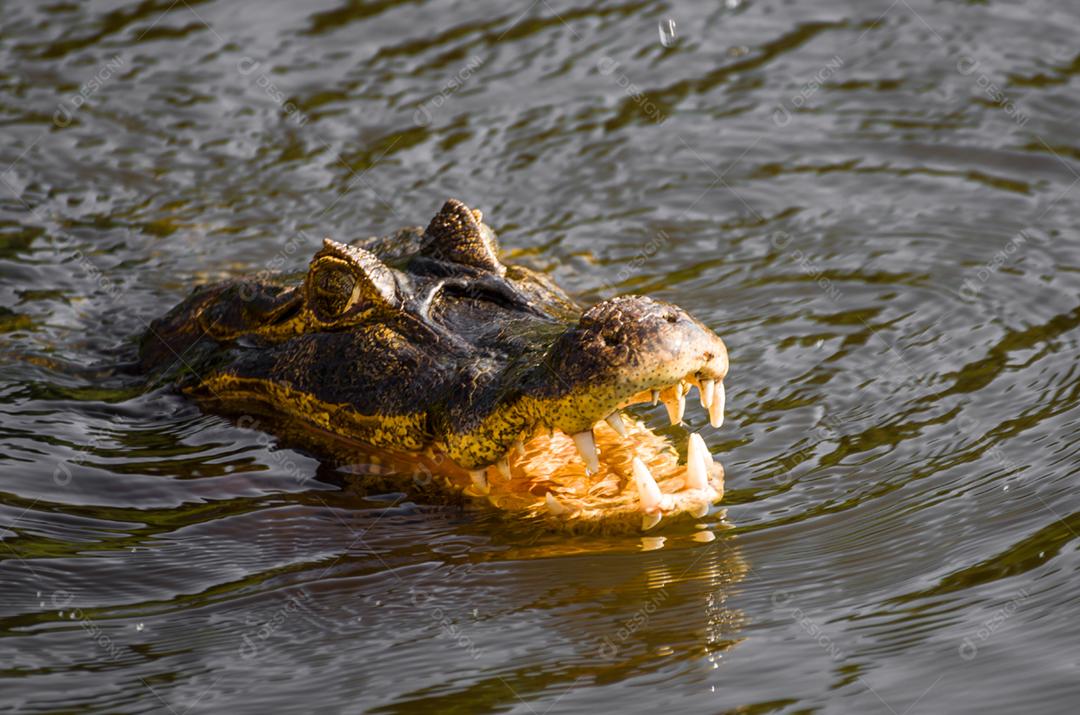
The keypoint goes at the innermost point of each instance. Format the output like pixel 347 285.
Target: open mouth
pixel 619 473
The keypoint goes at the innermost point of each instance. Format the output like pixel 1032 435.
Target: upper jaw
pixel 622 352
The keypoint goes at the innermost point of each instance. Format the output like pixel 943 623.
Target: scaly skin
pixel 424 346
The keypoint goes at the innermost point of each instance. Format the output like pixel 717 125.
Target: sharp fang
pixel 554 506
pixel 648 489
pixel 706 392
pixel 648 521
pixel 479 479
pixel 716 408
pixel 586 446
pixel 615 420
pixel 697 463
pixel 675 402
pixel 503 465
pixel 520 447
pixel 655 396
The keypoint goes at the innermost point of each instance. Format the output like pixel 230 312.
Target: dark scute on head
pixel 614 335
pixel 456 235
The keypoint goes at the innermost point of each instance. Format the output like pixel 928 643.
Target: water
pixel 873 203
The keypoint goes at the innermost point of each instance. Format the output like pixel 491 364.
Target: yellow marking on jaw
pixel 405 432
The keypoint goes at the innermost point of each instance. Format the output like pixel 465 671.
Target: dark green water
pixel 873 203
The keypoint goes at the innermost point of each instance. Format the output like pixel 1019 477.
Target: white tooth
pixel 675 402
pixel 648 489
pixel 586 446
pixel 554 506
pixel 697 463
pixel 699 510
pixel 615 420
pixel 520 447
pixel 706 392
pixel 655 396
pixel 716 409
pixel 648 521
pixel 479 479
pixel 503 465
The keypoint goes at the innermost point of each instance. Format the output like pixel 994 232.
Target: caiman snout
pixel 634 349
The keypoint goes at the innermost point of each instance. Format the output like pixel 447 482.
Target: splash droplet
pixel 668 36
pixel 139 627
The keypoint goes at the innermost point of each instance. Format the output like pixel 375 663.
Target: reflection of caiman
pixel 426 347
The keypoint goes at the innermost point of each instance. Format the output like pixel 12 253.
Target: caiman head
pixel 426 347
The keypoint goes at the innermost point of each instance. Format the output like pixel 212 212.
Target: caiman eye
pixel 342 277
pixel 331 291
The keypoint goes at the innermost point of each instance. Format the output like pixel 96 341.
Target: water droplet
pixel 668 36
pixel 39 594
pixel 72 615
pixel 60 613
pixel 139 627
pixel 475 612
pixel 732 4
pixel 378 603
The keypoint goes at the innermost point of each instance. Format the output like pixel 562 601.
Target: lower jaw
pixel 548 486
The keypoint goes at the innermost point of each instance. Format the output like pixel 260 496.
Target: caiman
pixel 425 348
